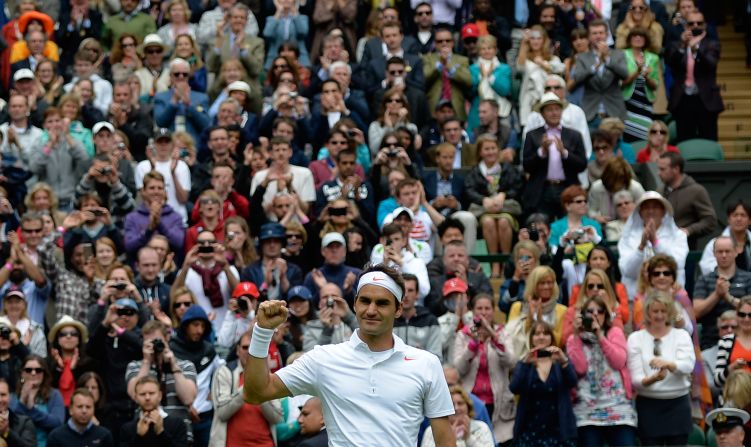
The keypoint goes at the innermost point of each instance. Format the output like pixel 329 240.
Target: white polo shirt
pixel 371 398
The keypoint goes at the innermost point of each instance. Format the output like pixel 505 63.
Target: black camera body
pixel 205 249
pixel 5 333
pixel 534 235
pixel 242 304
pixel 158 346
pixel 120 286
pixel 587 321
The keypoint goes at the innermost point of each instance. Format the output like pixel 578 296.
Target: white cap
pixel 394 214
pixel 102 125
pixel 151 40
pixel 239 85
pixel 329 238
pixel 23 73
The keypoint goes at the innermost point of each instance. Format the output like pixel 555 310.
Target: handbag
pixel 510 206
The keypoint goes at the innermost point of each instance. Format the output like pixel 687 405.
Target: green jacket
pixel 461 81
pixel 652 61
pixel 139 25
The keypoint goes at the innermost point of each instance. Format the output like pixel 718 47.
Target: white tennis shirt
pixel 371 398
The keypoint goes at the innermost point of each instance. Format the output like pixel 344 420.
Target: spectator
pixel 393 45
pixel 652 220
pixel 134 121
pixel 24 85
pixel 231 410
pixel 491 122
pixel 660 360
pixel 393 113
pixel 12 352
pixel 640 87
pixel 333 270
pixel 492 188
pixel 36 398
pixel 177 14
pixel 424 27
pixel 465 427
pixel 738 223
pixel 617 176
pixel 286 24
pixel 657 143
pixel 18 429
pixel 693 210
pixel 102 181
pixel 456 264
pixel 128 20
pixel 396 69
pixel 394 251
pixel 719 290
pixel 346 183
pixel 70 106
pixel 210 219
pixel 525 257
pixel 152 428
pixel 553 157
pixel 333 323
pixel 215 19
pixel 18 134
pixel 150 74
pixel 484 358
pixel 543 383
pixel 241 313
pixel 447 75
pixel 536 62
pixel 153 216
pixel 78 22
pixel 32 333
pixel 727 324
pixel 181 107
pixel 81 429
pixel 152 288
pixel 391 165
pixel 640 17
pixel 597 337
pixel 323 169
pixel 695 101
pixel 731 354
pixel 85 68
pixel 417 326
pixel 25 274
pixel 600 71
pixel 50 80
pixel 272 272
pixel 488 68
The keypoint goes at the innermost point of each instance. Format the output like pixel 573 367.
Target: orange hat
pixel 47 22
pixel 246 289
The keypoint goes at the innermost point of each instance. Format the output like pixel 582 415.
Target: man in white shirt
pixel 19 135
pixel 282 176
pixel 163 159
pixel 375 389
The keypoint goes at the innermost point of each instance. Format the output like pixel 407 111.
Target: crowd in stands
pixel 167 165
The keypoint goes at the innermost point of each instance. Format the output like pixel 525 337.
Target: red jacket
pixel 234 205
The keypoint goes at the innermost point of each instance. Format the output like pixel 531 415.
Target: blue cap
pixel 272 230
pixel 299 292
pixel 126 302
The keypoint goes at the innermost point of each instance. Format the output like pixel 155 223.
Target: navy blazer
pixel 430 183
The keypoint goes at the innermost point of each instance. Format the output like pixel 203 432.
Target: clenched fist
pixel 272 314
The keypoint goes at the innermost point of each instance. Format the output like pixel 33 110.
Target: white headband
pixel 380 279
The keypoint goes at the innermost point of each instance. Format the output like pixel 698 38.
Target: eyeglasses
pixel 396 72
pixel 659 131
pixel 657 351
pixel 180 304
pixel 199 242
pixel 742 315
pixel 727 327
pixel 180 74
pixel 128 45
pixel 394 101
pixel 154 51
pixel 638 8
pixel 126 312
pixel 208 201
pixel 31 230
pixel 424 13
pixel 656 273
pixel 33 370
pixel 67 334
pixel 602 148
pixel 444 41
pixel 695 23
pixel 595 286
pixel 623 204
pixel 579 201
pixel 553 87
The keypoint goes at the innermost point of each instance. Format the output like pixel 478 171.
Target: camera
pixel 577 234
pixel 587 321
pixel 230 235
pixel 393 153
pixel 351 134
pixel 534 235
pixel 120 286
pixel 478 323
pixel 242 304
pixel 696 31
pixel 543 353
pixel 330 302
pixel 158 346
pixel 292 95
pixel 184 153
pixel 105 171
pixel 97 212
pixel 5 333
pixel 205 249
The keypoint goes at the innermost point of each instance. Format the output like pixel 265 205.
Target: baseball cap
pixel 246 288
pixel 398 212
pixel 470 30
pixel 239 86
pixel 162 133
pixel 16 292
pixel 299 292
pixel 102 125
pixel 454 285
pixel 272 230
pixel 332 237
pixel 23 73
pixel 444 102
pixel 126 302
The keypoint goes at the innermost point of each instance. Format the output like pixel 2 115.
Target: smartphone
pixel 88 251
pixel 542 353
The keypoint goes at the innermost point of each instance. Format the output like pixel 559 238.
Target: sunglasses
pixel 394 101
pixel 659 131
pixel 180 304
pixel 444 41
pixel 602 148
pixel 33 370
pixel 595 286
pixel 396 72
pixel 294 236
pixel 205 243
pixel 657 351
pixel 154 51
pixel 424 13
pixel 67 334
pixel 128 45
pixel 340 142
pixel 742 315
pixel 656 273
pixel 126 312
pixel 728 327
pixel 31 230
pixel 244 347
pixel 695 23
pixel 638 8
pixel 181 74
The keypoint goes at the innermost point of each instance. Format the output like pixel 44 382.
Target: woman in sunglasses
pixel 597 349
pixel 661 360
pixel 68 360
pixel 394 111
pixel 179 302
pixel 210 218
pixel 36 398
pixel 733 352
pixel 596 283
pixel 657 143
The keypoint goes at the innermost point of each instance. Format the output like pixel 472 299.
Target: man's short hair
pixel 213 129
pixel 346 151
pixel 285 120
pixel 424 4
pixel 676 160
pixel 411 277
pixel 235 103
pixel 147 379
pixel 144 249
pixel 442 146
pixel 729 314
pixel 391 273
pixel 275 141
pixel 333 37
pixel 491 102
pixel 449 120
pixel 82 392
pixel 732 206
pixel 597 22
pixel 724 238
pixel 454 243
pixel 393 60
pixel 447 223
pixel 83 56
pixel 339 64
pixel 392 24
pixel 178 61
pixel 222 164
pixel 331 81
pixel 405 183
pixel 391 228
pixel 152 326
pixel 443 28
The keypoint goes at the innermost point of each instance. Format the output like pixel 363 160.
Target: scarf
pixel 210 280
pixel 492 176
pixel 485 89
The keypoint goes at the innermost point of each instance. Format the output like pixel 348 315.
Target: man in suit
pixel 553 157
pixel 695 100
pixel 374 46
pixel 392 46
pixel 354 99
pixel 601 70
pixel 452 132
pixel 396 70
pixel 444 189
pixel 447 74
pixel 424 24
pixel 328 108
pixel 180 108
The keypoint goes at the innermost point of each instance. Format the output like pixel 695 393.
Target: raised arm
pixel 260 384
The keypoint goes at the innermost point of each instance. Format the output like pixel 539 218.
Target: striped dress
pixel 639 110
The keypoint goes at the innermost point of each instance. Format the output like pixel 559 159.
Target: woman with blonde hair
pixel 105 254
pixel 178 14
pixel 186 48
pixel 41 198
pixel 596 284
pixel 50 81
pixel 232 70
pixel 70 105
pixel 238 242
pixel 186 147
pixel 540 304
pixel 661 360
pixel 491 79
pixel 179 301
pixel 657 143
pixel 640 16
pixel 535 61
